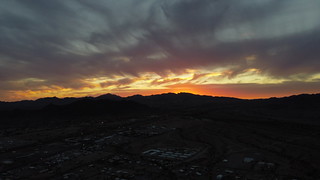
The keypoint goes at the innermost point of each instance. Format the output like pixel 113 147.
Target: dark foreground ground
pixel 162 147
pixel 169 136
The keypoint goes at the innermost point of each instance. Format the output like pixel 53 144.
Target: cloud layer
pixel 63 44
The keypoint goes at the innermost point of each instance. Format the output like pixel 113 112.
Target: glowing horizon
pixel 214 83
pixel 244 49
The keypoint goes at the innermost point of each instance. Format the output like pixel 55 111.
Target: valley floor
pixel 163 147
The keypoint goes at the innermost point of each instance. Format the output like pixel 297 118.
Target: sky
pixel 245 49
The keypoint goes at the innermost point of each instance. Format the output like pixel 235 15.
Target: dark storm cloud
pixel 63 42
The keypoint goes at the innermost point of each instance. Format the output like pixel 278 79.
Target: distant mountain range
pixel 167 101
pixel 303 108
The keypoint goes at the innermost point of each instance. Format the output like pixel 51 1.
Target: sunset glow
pixel 244 49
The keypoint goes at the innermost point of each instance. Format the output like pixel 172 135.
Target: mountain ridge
pixel 158 100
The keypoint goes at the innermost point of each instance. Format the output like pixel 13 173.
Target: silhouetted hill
pixel 82 110
pixel 110 97
pixel 303 108
pixel 95 107
pixel 37 104
pixel 180 100
pixel 168 100
pixel 174 101
pixel 304 101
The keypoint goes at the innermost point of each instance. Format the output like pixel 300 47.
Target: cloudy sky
pixel 246 49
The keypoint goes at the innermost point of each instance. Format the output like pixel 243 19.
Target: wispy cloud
pixel 47 44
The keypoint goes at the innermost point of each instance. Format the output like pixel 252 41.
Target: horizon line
pixel 181 92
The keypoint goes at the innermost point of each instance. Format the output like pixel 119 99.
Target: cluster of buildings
pixel 96 155
pixel 171 153
pixel 117 174
pixel 9 143
pixel 145 131
pixel 41 162
pixel 193 171
pixel 246 168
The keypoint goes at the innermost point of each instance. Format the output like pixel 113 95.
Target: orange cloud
pixel 165 81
